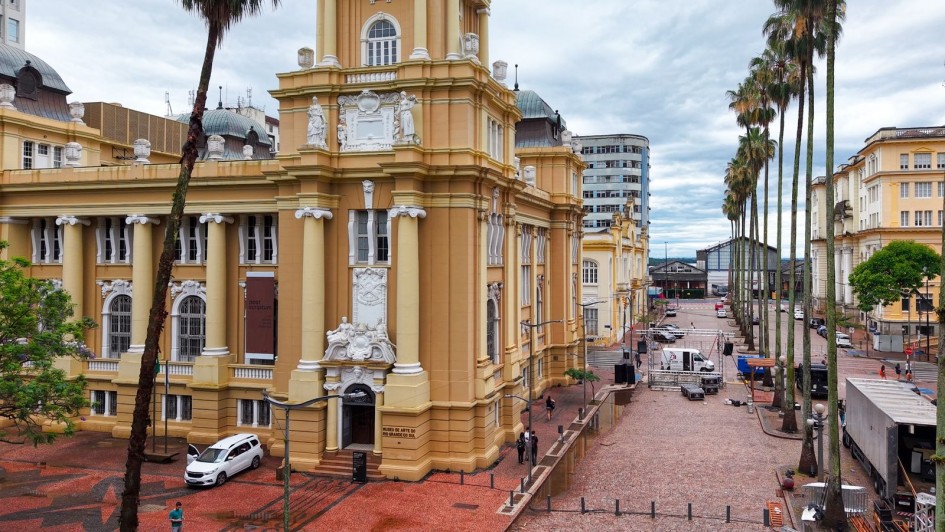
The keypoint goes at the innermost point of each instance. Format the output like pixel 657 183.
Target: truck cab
pixel 683 359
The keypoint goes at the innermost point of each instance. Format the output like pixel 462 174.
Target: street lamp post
pixel 528 452
pixel 286 469
pixel 818 423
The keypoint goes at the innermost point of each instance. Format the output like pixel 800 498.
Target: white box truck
pixel 890 430
pixel 684 359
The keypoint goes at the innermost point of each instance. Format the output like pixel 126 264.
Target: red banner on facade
pixel 260 313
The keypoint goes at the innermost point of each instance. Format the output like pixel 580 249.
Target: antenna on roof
pixel 516 78
pixel 167 100
pixel 220 103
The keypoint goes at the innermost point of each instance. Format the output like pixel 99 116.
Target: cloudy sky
pixel 658 68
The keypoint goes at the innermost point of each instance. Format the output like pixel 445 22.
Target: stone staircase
pixel 339 465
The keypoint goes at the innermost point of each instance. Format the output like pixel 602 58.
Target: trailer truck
pixel 891 431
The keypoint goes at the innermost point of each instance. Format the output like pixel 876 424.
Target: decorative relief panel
pixel 368 120
pixel 370 295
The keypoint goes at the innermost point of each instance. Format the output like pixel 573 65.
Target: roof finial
pixel 220 103
pixel 516 78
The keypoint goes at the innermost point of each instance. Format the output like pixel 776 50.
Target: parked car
pixel 664 336
pixel 670 311
pixel 222 460
pixel 822 330
pixel 844 341
pixel 814 323
pixel 722 313
pixel 670 330
pixel 798 314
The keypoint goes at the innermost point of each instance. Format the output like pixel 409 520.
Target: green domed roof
pixel 229 124
pixel 533 106
pixel 13 59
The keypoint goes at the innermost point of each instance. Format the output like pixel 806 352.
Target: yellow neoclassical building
pixel 398 245
pixel 892 189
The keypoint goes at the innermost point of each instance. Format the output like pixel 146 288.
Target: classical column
pixel 511 301
pixel 420 30
pixel 378 418
pixel 306 380
pixel 330 35
pixel 142 279
pixel 453 45
pixel 331 421
pixel 72 260
pixel 408 282
pixel 484 36
pixel 216 284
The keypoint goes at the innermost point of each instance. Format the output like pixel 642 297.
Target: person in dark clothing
pixel 534 440
pixel 898 372
pixel 549 406
pixel 520 445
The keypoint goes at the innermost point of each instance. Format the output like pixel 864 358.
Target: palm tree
pixel 218 15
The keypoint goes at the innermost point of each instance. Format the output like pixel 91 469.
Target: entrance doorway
pixel 357 425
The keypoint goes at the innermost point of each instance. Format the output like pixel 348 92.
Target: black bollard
pixel 523 484
pixel 462 478
pixel 492 481
pixel 549 503
pixel 690 511
pixel 766 517
pixel 511 498
pixel 728 514
pixel 582 505
pixel 617 512
pixel 653 509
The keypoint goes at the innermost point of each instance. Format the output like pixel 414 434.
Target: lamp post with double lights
pixel 584 342
pixel 286 469
pixel 817 421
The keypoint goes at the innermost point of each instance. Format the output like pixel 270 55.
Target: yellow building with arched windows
pixel 395 246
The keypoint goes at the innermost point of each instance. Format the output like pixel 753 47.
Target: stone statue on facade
pixel 317 125
pixel 360 343
pixel 408 132
pixel 342 137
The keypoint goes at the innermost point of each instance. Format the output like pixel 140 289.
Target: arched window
pixel 590 272
pixel 192 332
pixel 380 41
pixel 119 326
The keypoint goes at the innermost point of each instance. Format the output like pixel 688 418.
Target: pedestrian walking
pixel 639 360
pixel 528 437
pixel 549 406
pixel 882 371
pixel 534 442
pixel 520 446
pixel 177 518
pixel 908 375
pixel 898 372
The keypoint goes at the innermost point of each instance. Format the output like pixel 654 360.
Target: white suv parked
pixel 222 460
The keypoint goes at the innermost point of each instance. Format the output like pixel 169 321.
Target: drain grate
pixel 464 506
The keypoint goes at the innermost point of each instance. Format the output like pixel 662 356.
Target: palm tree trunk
pixel 807 446
pixel 777 274
pixel 142 419
pixel 940 394
pixel 790 416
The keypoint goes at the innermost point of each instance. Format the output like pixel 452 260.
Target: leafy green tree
pixel 894 270
pixel 581 375
pixel 219 15
pixel 35 329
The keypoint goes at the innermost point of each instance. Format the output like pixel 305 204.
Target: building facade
pixel 618 169
pixel 892 189
pixel 398 246
pixel 13 23
pixel 719 262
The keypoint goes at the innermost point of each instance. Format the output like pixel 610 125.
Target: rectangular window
pixel 590 321
pixel 104 403
pixel 253 413
pixel 57 157
pixel 923 189
pixel 113 236
pixel 13 30
pixel 46 238
pixel 177 408
pixel 191 242
pixel 903 161
pixel 941 189
pixel 526 285
pixel 258 239
pixel 28 147
pixel 903 218
pixel 940 160
pixel 903 190
pixel 369 237
pixel 923 218
pixel 906 303
pixel 940 213
pixel 922 161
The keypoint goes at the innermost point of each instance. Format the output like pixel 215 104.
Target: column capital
pixel 141 219
pixel 215 218
pixel 313 212
pixel 403 210
pixel 71 220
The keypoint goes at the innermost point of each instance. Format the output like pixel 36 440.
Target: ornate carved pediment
pixel 360 343
pixel 368 120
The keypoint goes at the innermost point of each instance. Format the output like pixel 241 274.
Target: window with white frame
pixel 940 160
pixel 253 413
pixel 590 272
pixel 922 161
pixel 526 285
pixel 495 234
pixel 903 218
pixel 539 301
pixel 590 321
pixel 119 325
pixel 29 151
pixel 903 190
pixel 941 189
pixel 42 157
pixel 940 213
pixel 923 189
pixel 192 328
pixel 575 247
pixel 539 365
pixel 57 157
pixel 380 42
pixel 191 243
pixel 104 403
pixel 526 377
pixel 258 243
pixel 47 241
pixel 923 218
pixel 177 408
pixel 526 257
pixel 492 330
pixel 113 237
pixel 903 161
pixel 496 140
pixel 872 164
pixel 369 237
pixel 541 244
